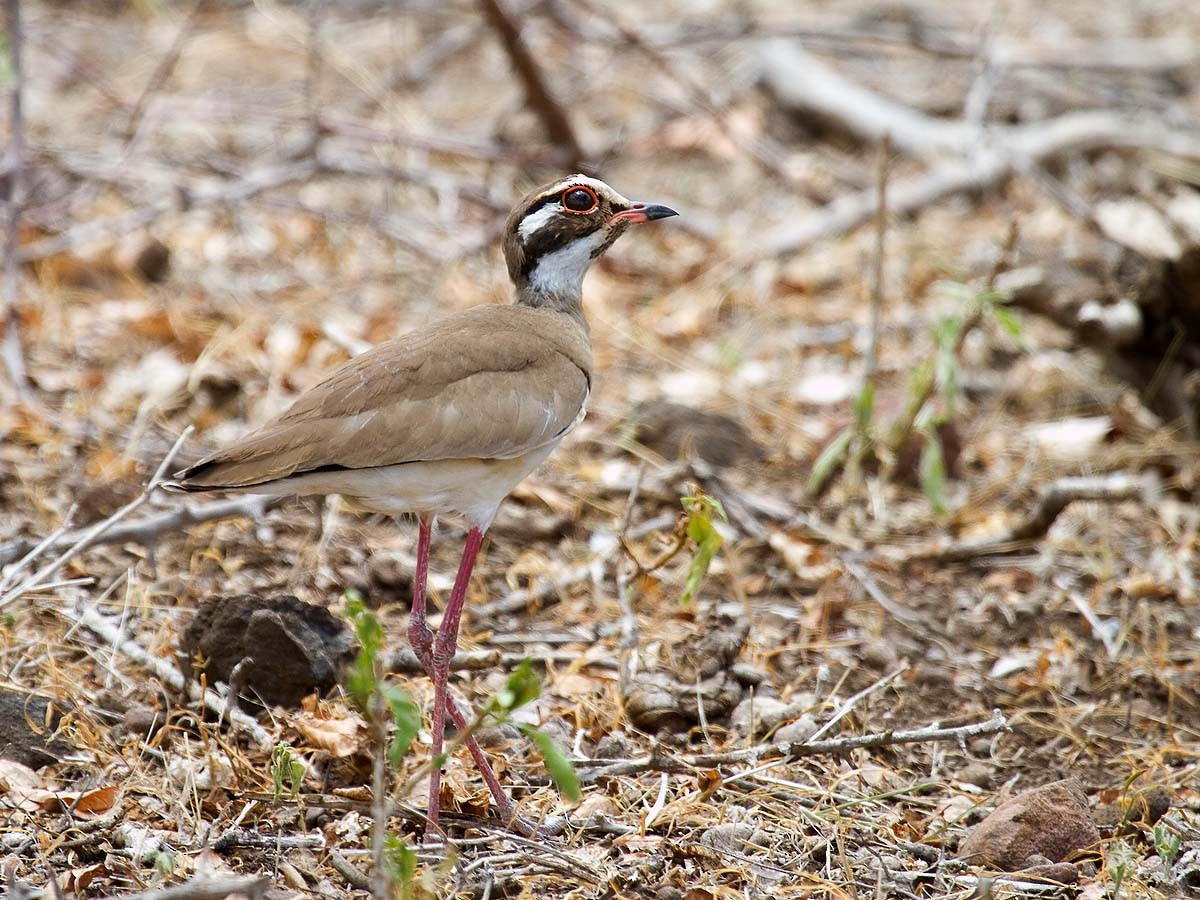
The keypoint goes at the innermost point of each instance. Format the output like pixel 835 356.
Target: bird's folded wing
pixel 475 394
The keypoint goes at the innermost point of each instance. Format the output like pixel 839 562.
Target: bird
pixel 448 419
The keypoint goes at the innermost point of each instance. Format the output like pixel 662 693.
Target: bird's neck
pixel 566 302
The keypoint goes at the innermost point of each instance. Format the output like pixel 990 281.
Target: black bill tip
pixel 658 211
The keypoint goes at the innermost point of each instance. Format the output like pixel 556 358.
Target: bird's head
pixel 555 233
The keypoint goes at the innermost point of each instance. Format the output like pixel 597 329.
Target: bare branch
pixel 43 575
pixel 252 886
pixel 541 98
pixel 1055 498
pixel 659 762
pixel 142 531
pixel 978 157
pixel 94 621
pixel 14 354
pixel 162 71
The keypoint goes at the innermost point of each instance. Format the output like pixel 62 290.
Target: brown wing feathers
pixel 493 382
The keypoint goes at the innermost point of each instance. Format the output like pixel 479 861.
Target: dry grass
pixel 291 256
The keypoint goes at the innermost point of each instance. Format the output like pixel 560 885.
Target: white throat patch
pixel 562 271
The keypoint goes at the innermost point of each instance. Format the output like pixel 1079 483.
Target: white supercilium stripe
pixel 535 221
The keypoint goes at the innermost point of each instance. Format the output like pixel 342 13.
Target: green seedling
pixel 285 767
pixel 1119 865
pixel 1167 844
pixel 700 510
pixel 401 859
pixel 524 686
pixel 365 686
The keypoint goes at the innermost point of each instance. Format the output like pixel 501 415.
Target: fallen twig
pixel 252 886
pixel 141 531
pixel 43 575
pixel 847 707
pixel 547 593
pixel 405 662
pixel 902 614
pixel 162 71
pixel 1055 498
pixel 354 875
pixel 979 157
pixel 94 621
pixel 233 838
pixel 591 770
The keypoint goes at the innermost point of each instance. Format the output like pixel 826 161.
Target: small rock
pixel 1186 870
pixel 388 578
pixel 657 701
pixel 614 745
pixel 733 837
pixel 757 715
pixel 668 892
pixel 747 674
pixel 678 432
pixel 797 731
pixel 143 255
pixel 1149 804
pixel 1053 820
pixel 1140 808
pixel 719 647
pixel 975 773
pixel 293 647
pixel 1060 873
pixel 141 721
pixel 880 655
pixel 27 729
pixel 497 736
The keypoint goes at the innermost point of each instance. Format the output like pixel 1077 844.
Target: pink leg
pixel 421 639
pixel 443 651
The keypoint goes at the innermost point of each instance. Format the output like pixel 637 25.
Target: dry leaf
pixel 804 560
pixel 88 803
pixel 708 781
pixel 339 738
pixel 78 880
pixel 22 788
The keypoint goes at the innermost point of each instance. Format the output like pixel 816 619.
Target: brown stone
pixel 1059 873
pixel 1053 821
pixel 283 648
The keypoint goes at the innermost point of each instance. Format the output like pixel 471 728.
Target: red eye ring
pixel 578 189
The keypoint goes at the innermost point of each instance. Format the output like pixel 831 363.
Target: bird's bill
pixel 643 212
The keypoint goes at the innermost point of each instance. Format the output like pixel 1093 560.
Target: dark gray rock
pixel 287 648
pixel 27 729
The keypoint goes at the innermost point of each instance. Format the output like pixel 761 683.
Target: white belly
pixel 472 488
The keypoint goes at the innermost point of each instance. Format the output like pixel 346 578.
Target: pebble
pixel 1052 821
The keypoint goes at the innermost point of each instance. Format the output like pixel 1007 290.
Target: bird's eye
pixel 580 199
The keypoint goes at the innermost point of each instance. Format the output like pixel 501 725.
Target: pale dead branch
pixel 14 174
pixel 592 770
pixel 89 536
pixel 1118 487
pixel 962 156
